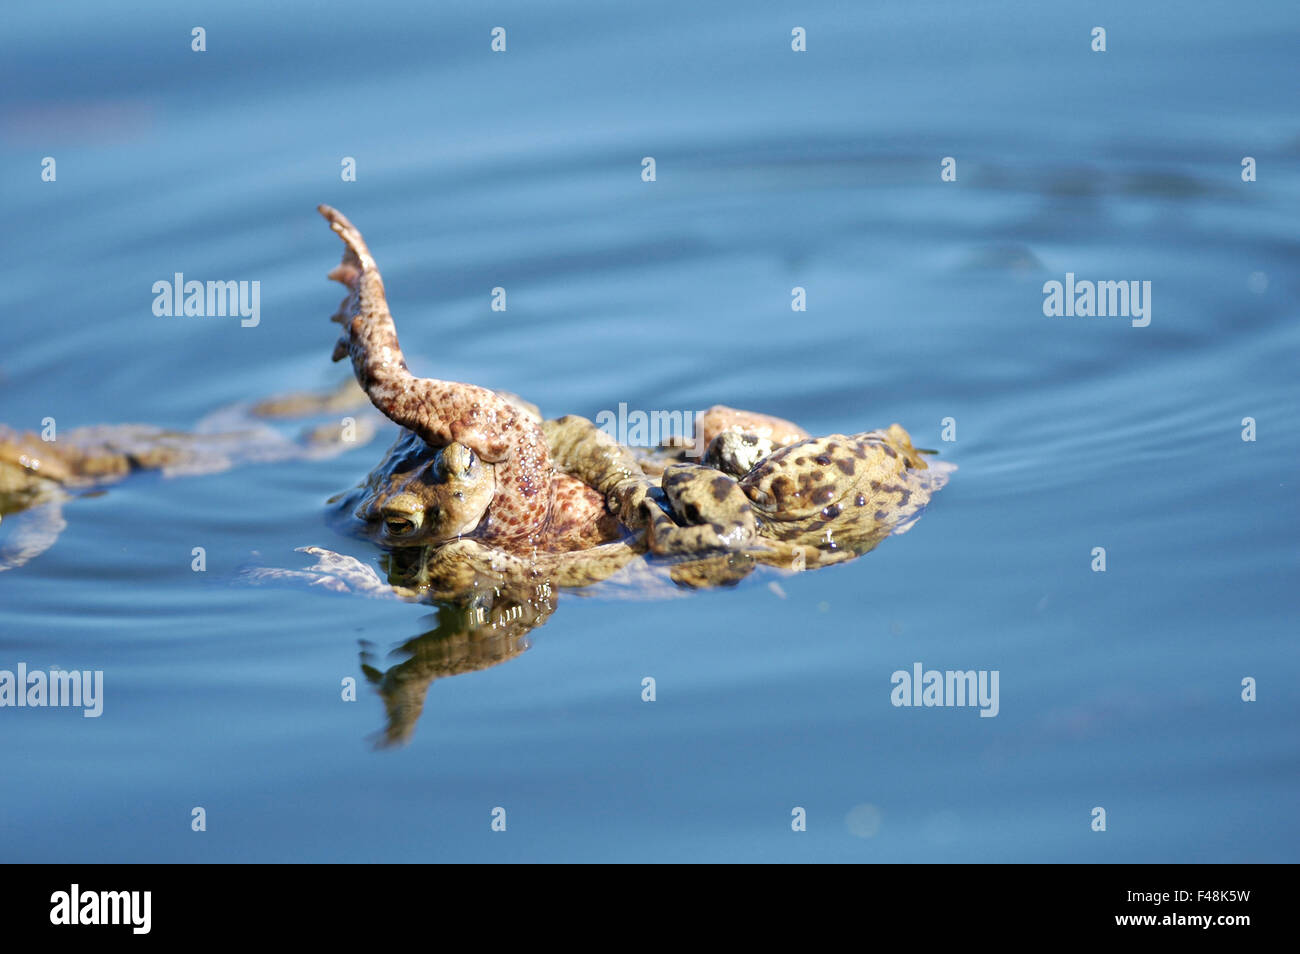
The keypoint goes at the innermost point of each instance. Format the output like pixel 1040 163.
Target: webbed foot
pixel 711 510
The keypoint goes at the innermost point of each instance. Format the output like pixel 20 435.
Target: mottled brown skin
pixel 564 501
pixel 533 506
pixel 421 496
pixel 834 494
pixel 834 482
pixel 720 419
pixel 770 491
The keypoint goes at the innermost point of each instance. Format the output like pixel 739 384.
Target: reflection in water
pixel 479 631
pixel 486 609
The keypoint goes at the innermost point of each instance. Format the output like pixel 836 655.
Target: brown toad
pixel 532 505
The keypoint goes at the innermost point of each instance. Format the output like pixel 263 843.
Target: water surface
pixel 774 169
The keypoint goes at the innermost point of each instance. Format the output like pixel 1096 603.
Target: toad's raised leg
pixel 442 412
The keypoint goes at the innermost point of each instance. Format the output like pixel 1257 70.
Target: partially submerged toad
pixel 532 505
pixel 38 476
pixel 490 490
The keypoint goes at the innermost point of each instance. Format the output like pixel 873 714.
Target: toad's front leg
pixel 697 510
pixel 441 412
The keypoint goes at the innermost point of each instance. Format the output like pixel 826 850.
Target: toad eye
pixel 398 526
pixel 403 515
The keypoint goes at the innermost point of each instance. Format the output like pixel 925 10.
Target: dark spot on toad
pixel 846 465
pixel 721 488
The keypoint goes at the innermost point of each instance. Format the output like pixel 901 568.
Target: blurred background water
pixel 774 169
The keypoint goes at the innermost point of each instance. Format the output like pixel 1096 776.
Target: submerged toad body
pixel 40 473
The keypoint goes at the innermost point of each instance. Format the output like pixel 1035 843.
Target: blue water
pixel 820 169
